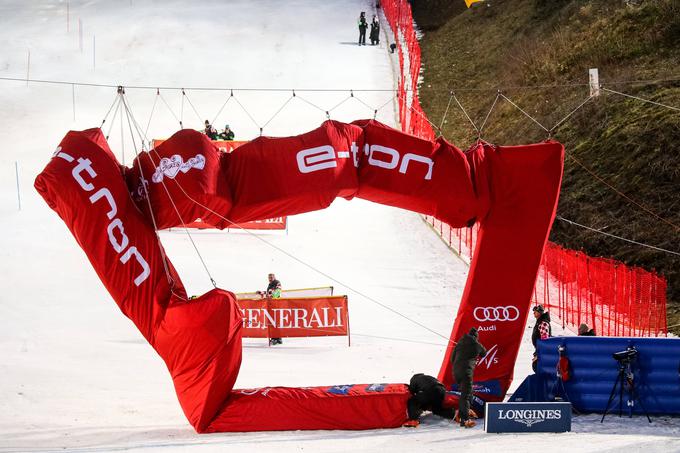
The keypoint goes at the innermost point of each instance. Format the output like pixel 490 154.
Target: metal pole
pixel 16 171
pixel 68 15
pixel 80 34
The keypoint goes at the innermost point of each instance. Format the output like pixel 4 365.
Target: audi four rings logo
pixel 509 313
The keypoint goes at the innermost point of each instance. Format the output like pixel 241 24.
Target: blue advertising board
pixel 527 418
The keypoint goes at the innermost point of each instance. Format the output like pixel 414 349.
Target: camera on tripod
pixel 626 356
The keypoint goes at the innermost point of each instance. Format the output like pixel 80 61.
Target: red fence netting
pixel 609 296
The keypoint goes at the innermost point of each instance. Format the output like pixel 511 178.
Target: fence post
pixel 16 171
pixel 28 66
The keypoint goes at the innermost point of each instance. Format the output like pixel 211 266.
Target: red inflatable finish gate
pixel 111 210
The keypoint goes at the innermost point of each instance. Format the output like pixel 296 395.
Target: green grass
pixel 631 145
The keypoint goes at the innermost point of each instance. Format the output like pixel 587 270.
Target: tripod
pixel 625 378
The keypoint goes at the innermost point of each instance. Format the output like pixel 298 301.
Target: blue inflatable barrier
pixel 654 367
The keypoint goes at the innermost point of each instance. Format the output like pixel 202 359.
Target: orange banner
pixel 295 317
pixel 226 146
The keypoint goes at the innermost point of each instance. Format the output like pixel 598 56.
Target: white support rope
pixel 435 89
pixel 448 104
pixel 231 95
pixel 158 92
pixel 164 258
pixel 525 113
pixel 198 115
pixel 559 123
pixel 465 112
pixel 153 109
pixel 248 114
pixel 481 128
pixel 617 237
pixel 277 112
pixel 640 99
pixel 148 154
pixel 115 99
pixel 113 119
pixel 339 103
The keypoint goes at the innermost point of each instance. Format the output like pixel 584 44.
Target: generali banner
pixel 295 317
pixel 277 223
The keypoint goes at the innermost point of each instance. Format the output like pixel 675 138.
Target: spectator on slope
pixel 428 395
pixel 363 25
pixel 464 359
pixel 585 331
pixel 542 330
pixel 210 131
pixel 227 133
pixel 375 31
pixel 273 292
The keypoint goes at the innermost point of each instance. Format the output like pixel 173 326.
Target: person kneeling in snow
pixel 428 395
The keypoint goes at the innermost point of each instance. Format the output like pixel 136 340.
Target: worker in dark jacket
pixel 428 395
pixel 464 359
pixel 375 31
pixel 363 25
pixel 585 331
pixel 542 331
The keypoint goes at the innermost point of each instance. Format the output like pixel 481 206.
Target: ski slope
pixel 75 374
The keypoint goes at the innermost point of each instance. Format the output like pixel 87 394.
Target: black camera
pixel 626 356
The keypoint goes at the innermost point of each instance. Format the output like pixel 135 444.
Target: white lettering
pixel 118 247
pixel 410 156
pixel 314 159
pixel 315 318
pixel 142 262
pixel 300 315
pixel 84 164
pixel 373 160
pixel 104 192
pixel 338 317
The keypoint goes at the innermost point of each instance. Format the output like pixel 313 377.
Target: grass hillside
pixel 538 53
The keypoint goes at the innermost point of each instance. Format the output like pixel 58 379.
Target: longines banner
pixel 527 417
pixel 295 317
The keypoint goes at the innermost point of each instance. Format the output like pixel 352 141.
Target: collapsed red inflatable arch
pixel 111 210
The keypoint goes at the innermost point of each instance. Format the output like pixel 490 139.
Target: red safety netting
pixel 609 296
pixel 612 298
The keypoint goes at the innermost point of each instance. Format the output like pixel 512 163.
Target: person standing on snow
pixel 375 31
pixel 363 25
pixel 273 292
pixel 464 359
pixel 542 331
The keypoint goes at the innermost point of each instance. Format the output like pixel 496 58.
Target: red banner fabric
pixel 359 406
pixel 184 181
pixel 524 182
pixel 270 177
pixel 84 184
pixel 511 191
pixel 398 169
pixel 299 317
